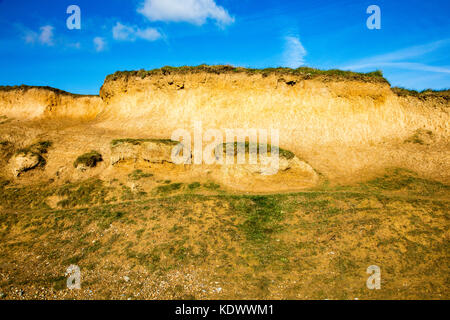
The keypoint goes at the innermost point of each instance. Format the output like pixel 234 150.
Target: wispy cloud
pixel 399 59
pixel 131 33
pixel 44 37
pixel 99 44
pixel 294 52
pixel 192 11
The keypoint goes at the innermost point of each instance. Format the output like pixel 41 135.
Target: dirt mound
pixel 149 150
pixel 29 158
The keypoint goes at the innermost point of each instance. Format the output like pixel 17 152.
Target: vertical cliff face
pixel 347 126
pixel 307 112
pixel 34 103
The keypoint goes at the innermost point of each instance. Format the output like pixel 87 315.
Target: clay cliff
pixel 347 126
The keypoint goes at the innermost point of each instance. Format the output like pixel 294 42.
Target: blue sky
pixel 37 48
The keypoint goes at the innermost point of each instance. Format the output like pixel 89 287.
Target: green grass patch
pixel 263 215
pixel 24 88
pixel 40 148
pixel 245 147
pixel 87 192
pixel 169 188
pixel 398 179
pixel 211 186
pixel 194 185
pixel 89 159
pixel 136 142
pixel 300 73
pixel 423 95
pixel 139 174
pixel 420 136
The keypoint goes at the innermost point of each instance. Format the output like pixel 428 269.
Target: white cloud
pixel 100 44
pixel 191 11
pixel 46 36
pixel 294 52
pixel 149 34
pixel 396 59
pixel 122 32
pixel 131 33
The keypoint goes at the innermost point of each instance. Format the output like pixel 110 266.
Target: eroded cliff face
pixel 307 112
pixel 346 130
pixel 35 103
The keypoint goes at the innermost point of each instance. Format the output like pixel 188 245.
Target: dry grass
pixel 309 245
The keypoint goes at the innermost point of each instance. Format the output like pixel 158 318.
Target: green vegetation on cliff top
pixel 302 72
pixel 25 88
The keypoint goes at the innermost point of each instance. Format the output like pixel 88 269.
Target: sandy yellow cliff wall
pixel 307 112
pixel 33 103
pixel 349 128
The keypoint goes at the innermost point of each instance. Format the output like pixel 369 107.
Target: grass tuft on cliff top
pixel 422 95
pixel 25 88
pixel 302 72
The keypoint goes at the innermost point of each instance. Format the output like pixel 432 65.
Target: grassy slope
pixel 181 242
